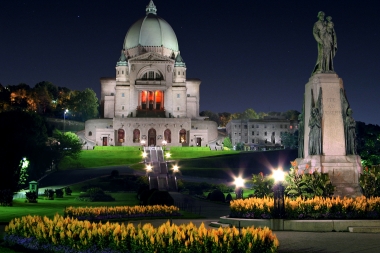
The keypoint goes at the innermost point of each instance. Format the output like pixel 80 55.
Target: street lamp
pixel 164 144
pixel 175 169
pixel 148 169
pixel 239 183
pixel 64 120
pixel 142 142
pixel 278 192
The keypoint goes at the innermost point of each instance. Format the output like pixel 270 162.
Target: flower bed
pixel 120 212
pixel 315 208
pixel 70 235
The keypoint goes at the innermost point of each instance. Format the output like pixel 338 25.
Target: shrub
pixel 369 181
pixel 144 196
pixel 59 193
pixel 95 194
pixel 262 185
pixel 223 188
pixel 68 191
pixel 307 183
pixel 31 196
pixel 6 197
pixel 160 198
pixel 180 185
pixel 217 195
pixel 228 197
pixel 49 194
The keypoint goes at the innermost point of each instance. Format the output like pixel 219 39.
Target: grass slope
pixel 50 207
pixel 245 163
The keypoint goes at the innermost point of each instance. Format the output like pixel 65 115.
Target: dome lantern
pixel 151 8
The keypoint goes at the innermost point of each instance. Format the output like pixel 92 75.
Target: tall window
pixel 182 136
pixel 168 136
pixel 120 135
pixel 136 136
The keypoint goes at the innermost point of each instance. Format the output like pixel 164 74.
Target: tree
pixel 249 114
pixel 224 118
pixel 211 116
pixel 227 142
pixel 239 146
pixel 84 105
pixel 65 145
pixel 289 140
pixel 368 143
pixel 291 114
pixel 24 136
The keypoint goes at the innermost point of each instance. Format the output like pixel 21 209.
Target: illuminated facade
pixel 151 99
pixel 260 133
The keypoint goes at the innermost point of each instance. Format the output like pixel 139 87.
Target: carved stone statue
pixel 349 129
pixel 324 34
pixel 315 120
pixel 315 132
pixel 349 125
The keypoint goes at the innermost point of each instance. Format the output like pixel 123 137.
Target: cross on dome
pixel 151 8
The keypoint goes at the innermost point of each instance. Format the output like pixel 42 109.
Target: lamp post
pixel 164 144
pixel 239 183
pixel 175 172
pixel 64 120
pixel 142 142
pixel 278 192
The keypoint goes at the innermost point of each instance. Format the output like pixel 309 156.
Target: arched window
pixel 136 136
pixel 151 75
pixel 120 135
pixel 152 137
pixel 168 136
pixel 90 133
pixel 182 136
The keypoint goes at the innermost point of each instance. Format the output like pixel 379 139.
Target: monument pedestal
pixel 325 92
pixel 343 171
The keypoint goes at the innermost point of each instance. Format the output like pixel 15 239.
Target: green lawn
pixel 50 207
pixel 109 156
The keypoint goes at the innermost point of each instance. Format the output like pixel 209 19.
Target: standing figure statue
pixel 315 147
pixel 315 123
pixel 350 132
pixel 349 124
pixel 325 36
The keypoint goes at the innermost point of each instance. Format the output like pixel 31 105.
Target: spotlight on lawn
pixel 167 155
pixel 239 184
pixel 175 169
pixel 279 191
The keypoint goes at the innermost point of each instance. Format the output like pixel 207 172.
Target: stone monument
pixel 328 128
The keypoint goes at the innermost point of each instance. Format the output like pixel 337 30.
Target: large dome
pixel 151 30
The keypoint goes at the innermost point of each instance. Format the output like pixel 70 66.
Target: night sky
pixel 248 54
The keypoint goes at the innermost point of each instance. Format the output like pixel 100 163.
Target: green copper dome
pixel 151 30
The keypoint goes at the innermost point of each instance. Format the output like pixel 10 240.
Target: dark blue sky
pixel 248 54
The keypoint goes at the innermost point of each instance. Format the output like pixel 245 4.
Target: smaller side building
pixel 257 134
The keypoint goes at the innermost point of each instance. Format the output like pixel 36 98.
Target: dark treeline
pixel 49 100
pixel 224 117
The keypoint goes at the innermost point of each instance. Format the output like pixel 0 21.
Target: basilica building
pixel 150 100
